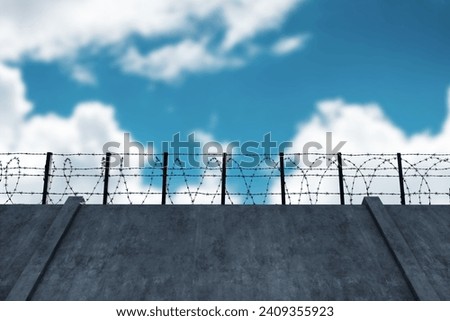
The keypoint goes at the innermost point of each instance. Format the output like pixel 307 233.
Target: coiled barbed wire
pixel 426 178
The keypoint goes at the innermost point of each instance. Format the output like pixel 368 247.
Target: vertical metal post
pixel 401 180
pixel 164 178
pixel 48 165
pixel 341 179
pixel 224 178
pixel 106 178
pixel 283 183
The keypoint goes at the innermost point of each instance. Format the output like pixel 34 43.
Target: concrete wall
pixel 231 252
pixel 427 231
pixel 22 227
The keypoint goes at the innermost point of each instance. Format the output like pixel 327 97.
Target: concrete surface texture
pixel 229 252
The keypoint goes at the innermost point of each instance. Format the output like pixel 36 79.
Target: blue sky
pixel 77 74
pixel 394 53
pixel 231 82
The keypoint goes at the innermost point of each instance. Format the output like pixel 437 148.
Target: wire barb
pixel 269 179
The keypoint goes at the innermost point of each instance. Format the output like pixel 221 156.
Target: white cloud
pixel 13 105
pixel 287 45
pixel 91 125
pixel 171 62
pixel 245 19
pixel 87 129
pixel 48 30
pixel 83 75
pixel 366 129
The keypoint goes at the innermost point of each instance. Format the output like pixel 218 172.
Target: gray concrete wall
pixel 427 231
pixel 22 227
pixel 233 252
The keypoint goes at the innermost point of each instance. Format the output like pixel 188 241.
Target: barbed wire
pixel 421 179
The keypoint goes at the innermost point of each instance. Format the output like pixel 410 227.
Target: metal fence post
pixel 224 178
pixel 282 181
pixel 341 179
pixel 106 178
pixel 401 179
pixel 48 165
pixel 164 178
